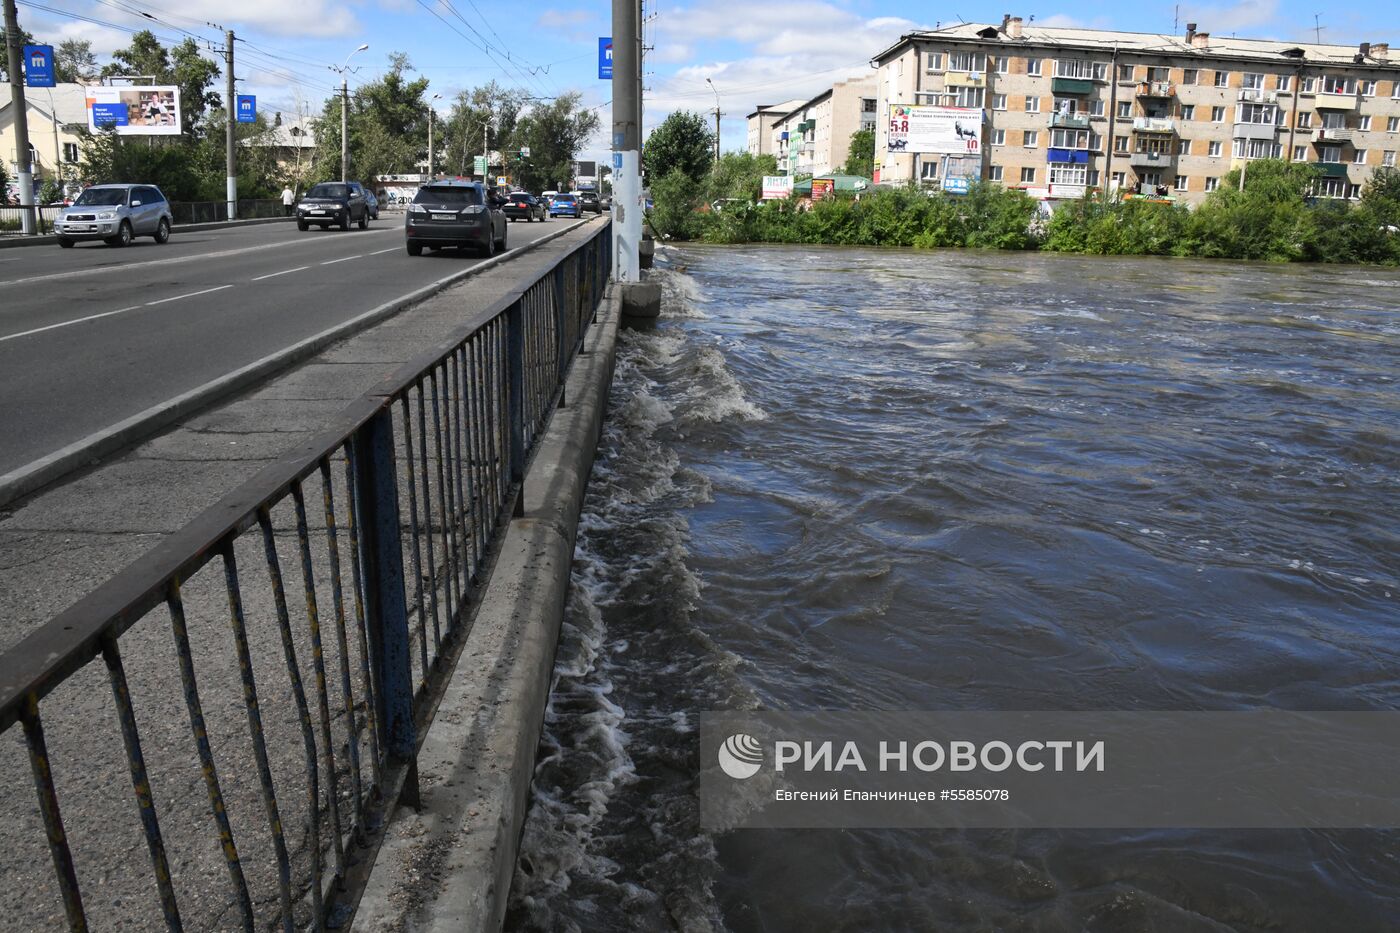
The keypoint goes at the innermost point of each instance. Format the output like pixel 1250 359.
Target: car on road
pixel 521 205
pixel 117 214
pixel 458 213
pixel 547 198
pixel 333 202
pixel 370 199
pixel 564 205
pixel 588 201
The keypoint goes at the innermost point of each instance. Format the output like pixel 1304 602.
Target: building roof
pixel 295 131
pixel 861 82
pixel 1216 47
pixel 65 102
pixel 786 107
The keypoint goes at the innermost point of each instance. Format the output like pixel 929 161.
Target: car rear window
pixel 566 198
pixel 326 191
pixel 447 195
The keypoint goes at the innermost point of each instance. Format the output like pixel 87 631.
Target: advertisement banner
pixel 605 58
pixel 823 188
pixel 139 110
pixel 38 66
pixel 918 128
pixel 777 186
pixel 247 108
pixel 478 165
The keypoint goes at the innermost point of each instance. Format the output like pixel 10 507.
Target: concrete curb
pixel 39 473
pixel 48 239
pixel 449 865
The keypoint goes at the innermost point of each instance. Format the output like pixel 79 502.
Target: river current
pixel 896 480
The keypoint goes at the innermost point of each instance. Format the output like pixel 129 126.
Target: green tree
pixel 861 160
pixel 682 142
pixel 460 138
pixel 24 39
pixel 74 62
pixel 554 132
pixel 388 126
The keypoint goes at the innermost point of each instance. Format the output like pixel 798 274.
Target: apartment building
pixel 814 138
pixel 761 123
pixel 1164 116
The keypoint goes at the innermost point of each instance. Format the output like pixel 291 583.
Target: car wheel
pixel 122 237
pixel 65 242
pixel 364 220
pixel 488 249
pixel 303 226
pixel 502 245
pixel 415 249
pixel 163 231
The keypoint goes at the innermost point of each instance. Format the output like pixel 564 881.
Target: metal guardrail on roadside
pixel 411 488
pixel 12 218
pixel 184 212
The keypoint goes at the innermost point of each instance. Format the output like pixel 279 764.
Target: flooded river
pixel 860 479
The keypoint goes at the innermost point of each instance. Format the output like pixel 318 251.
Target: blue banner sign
pixel 957 184
pixel 247 108
pixel 38 65
pixel 109 115
pixel 605 58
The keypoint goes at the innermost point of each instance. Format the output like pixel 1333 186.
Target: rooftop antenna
pixel 1176 17
pixel 1317 29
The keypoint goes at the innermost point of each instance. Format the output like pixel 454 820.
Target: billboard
pixel 137 110
pixel 777 186
pixel 918 128
pixel 38 65
pixel 605 58
pixel 823 188
pixel 247 108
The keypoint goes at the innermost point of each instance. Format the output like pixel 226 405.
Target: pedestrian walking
pixel 287 198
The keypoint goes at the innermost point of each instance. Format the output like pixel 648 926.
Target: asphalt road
pixel 92 335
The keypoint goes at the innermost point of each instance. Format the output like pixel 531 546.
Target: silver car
pixel 116 214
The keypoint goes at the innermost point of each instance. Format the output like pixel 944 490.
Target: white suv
pixel 116 214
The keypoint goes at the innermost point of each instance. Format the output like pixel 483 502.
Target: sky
pixel 754 53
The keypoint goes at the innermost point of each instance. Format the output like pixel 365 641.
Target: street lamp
pixel 430 134
pixel 716 90
pixel 344 115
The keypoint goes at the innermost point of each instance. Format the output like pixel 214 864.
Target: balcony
pixel 1156 89
pixel 1154 125
pixel 964 79
pixel 1151 160
pixel 1266 131
pixel 1333 135
pixel 1326 100
pixel 1333 169
pixel 1071 87
pixel 1258 96
pixel 1070 121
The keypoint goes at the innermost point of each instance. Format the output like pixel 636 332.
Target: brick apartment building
pixel 814 137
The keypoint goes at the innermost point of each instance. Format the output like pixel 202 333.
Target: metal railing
pixel 12 218
pixel 269 803
pixel 205 212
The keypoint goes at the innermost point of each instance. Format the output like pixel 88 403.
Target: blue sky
pixel 755 53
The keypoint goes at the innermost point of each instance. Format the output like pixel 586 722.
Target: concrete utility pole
pixel 626 140
pixel 717 114
pixel 430 134
pixel 28 223
pixel 230 111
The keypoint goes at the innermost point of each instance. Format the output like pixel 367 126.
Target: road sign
pixel 479 165
pixel 38 65
pixel 524 152
pixel 247 108
pixel 605 58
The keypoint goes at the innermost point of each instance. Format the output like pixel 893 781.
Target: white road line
pixel 216 288
pixel 331 262
pixel 90 317
pixel 273 275
pixel 378 251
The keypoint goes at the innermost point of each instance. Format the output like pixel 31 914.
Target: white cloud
pixel 551 19
pixel 1245 16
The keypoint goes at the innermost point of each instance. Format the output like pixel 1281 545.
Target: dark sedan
pixel 588 201
pixel 521 205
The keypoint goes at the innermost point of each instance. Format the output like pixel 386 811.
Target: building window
pixel 1120 144
pixel 1305 120
pixel 1300 153
pixel 1073 68
pixel 1285 82
pixel 1256 149
pixel 1266 114
pixel 1069 173
pixel 1095 108
pixel 1365 123
pixel 1033 67
pixel 1253 81
pixel 1188 76
pixel 1032 105
pixel 1359 158
pixel 70 153
pixel 1212 183
pixel 1308 84
pixel 1332 188
pixel 1332 154
pixel 1392 124
pixel 1119 179
pixel 1368 89
pixel 1001 62
pixel 998 101
pixel 867 105
pixel 967 61
pixel 1125 109
pixel 1214 149
pixel 974 97
pixel 1183 147
pixel 1030 139
pixel 994 173
pixel 1150 179
pixel 998 137
pixel 1066 105
pixel 1222 79
pixel 928 171
pixel 1125 72
pixel 1094 177
pixel 1028 176
pixel 1069 139
pixel 1182 183
pixel 1388 158
pixel 934 63
pixel 1217 114
pixel 1095 141
pixel 1337 84
pixel 1188 111
pixel 1155 73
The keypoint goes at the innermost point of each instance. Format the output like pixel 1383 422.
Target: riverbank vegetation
pixel 1274 218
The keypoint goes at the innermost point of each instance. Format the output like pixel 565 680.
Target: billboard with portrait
pixel 136 110
pixel 918 128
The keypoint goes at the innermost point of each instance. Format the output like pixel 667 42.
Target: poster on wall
pixel 777 186
pixel 137 110
pixel 918 128
pixel 823 188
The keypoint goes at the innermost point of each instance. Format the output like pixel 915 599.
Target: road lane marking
pixel 216 288
pixel 122 267
pixel 378 251
pixel 90 317
pixel 271 275
pixel 331 262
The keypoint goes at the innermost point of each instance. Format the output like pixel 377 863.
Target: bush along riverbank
pixel 1274 218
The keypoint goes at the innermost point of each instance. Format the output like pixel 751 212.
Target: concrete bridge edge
pixel 449 865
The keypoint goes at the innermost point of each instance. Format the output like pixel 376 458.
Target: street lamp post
pixel 716 90
pixel 344 115
pixel 430 134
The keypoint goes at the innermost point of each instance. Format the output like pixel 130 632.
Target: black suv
pixel 455 213
pixel 332 202
pixel 588 201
